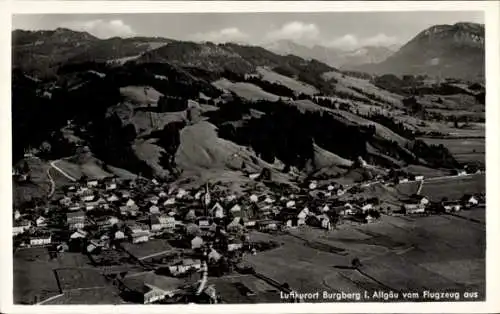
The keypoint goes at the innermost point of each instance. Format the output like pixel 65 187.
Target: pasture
pixel 463 149
pixel 148 248
pixel 398 253
pixel 34 273
pixel 453 187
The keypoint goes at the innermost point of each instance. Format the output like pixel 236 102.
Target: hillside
pixel 181 110
pixel 455 51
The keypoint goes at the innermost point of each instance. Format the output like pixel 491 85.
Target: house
pixel 254 198
pixel 76 220
pixel 20 227
pixel 92 183
pixel 125 194
pixel 113 198
pixel 162 194
pixel 269 200
pixel 198 195
pixel 214 256
pixel 330 187
pixel 340 192
pixel 419 178
pixel 267 225
pixel 130 203
pixel 402 180
pixel 470 201
pixel 230 198
pixel 140 237
pixel 235 223
pixel 369 219
pixel 170 201
pixel 41 222
pixel 203 222
pixel 414 208
pixel 313 185
pixel 462 173
pixel 325 208
pixel 290 204
pixel 75 207
pixel 190 215
pixel 196 243
pixel 184 266
pixel 113 220
pixel 181 193
pixel 167 222
pixel 452 206
pixel 119 235
pixel 78 234
pixel 254 176
pixel 217 210
pixel 155 223
pixel 155 182
pixel 235 209
pixel 325 222
pixel 65 201
pixel 154 209
pixel 366 207
pixel 41 238
pixel 63 247
pixel 154 199
pixel 301 217
pixel 234 245
pixel 110 186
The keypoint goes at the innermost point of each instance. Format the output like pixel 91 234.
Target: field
pixel 398 253
pixel 39 186
pixel 90 169
pixel 463 149
pixel 146 249
pixel 227 288
pixel 245 90
pixel 454 188
pixel 107 295
pixel 77 278
pixel 296 86
pixel 34 277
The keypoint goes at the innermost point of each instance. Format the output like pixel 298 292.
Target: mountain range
pixel 183 110
pixel 443 50
pixel 333 56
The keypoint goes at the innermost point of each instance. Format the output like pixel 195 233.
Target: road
pixel 53 165
pixel 52 184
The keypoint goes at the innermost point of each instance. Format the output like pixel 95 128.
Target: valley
pixel 237 167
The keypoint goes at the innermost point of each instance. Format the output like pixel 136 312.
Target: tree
pixel 356 263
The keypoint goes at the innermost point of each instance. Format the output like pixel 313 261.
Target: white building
pixel 41 239
pixel 41 222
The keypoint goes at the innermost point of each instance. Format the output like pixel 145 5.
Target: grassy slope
pixel 245 90
pixel 38 187
pixel 293 84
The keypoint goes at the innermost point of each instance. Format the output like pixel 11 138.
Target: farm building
pixel 452 206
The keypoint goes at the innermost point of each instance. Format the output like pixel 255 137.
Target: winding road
pixel 52 182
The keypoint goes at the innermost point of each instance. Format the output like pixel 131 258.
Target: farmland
pixel 463 149
pixel 145 249
pixel 397 253
pixel 454 187
pixel 35 279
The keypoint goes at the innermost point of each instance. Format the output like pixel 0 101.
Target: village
pixel 181 237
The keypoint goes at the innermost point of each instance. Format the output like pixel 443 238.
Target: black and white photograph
pixel 248 157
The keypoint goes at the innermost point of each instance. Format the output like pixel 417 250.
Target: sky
pixel 344 30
